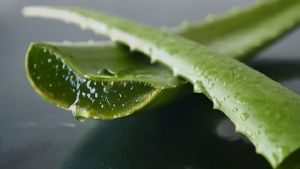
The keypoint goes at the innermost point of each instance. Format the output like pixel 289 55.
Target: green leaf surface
pixel 244 32
pixel 266 112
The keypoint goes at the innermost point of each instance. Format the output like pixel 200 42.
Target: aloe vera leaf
pixel 253 28
pixel 93 80
pixel 193 32
pixel 62 101
pixel 266 112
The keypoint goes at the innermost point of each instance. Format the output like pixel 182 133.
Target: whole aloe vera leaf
pixel 253 28
pixel 266 112
pixel 94 80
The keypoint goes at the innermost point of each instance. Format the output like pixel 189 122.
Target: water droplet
pixel 93 90
pixel 106 73
pixel 49 60
pixel 105 89
pixel 88 83
pixel 244 116
pixel 235 110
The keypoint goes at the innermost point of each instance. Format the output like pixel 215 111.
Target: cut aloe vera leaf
pixel 266 112
pixel 93 80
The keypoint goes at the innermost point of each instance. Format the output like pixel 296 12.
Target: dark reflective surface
pixel 188 134
pixel 182 136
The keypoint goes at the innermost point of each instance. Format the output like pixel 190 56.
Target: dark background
pixel 187 135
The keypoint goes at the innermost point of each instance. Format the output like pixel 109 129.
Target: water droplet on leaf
pixel 244 116
pixel 106 73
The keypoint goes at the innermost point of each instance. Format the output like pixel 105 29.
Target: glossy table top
pixel 35 134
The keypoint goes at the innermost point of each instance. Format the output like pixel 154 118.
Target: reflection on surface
pixel 182 135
